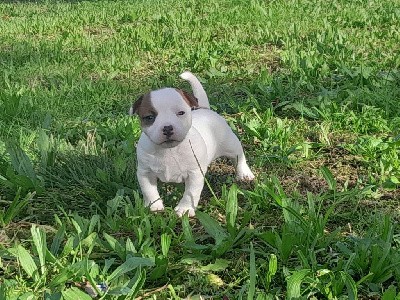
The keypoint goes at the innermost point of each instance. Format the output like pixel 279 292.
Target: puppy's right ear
pixel 190 99
pixel 136 105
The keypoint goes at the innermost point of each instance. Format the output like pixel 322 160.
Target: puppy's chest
pixel 168 166
pixel 170 169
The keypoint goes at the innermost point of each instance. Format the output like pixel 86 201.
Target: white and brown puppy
pixel 180 137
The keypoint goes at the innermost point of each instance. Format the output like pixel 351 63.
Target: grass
pixel 310 87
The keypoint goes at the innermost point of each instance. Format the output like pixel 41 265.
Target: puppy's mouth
pixel 169 143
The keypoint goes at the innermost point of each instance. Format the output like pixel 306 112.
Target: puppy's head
pixel 165 115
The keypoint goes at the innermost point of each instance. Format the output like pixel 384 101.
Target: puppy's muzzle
pixel 168 131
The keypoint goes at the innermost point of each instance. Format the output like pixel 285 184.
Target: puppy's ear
pixel 136 105
pixel 190 99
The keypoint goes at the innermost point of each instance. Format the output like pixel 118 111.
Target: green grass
pixel 312 88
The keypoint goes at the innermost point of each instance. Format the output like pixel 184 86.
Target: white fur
pixel 169 103
pixel 200 136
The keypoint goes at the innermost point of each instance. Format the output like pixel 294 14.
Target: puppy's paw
pixel 157 205
pixel 245 174
pixel 181 210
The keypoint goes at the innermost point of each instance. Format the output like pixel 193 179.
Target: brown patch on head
pixel 189 98
pixel 145 110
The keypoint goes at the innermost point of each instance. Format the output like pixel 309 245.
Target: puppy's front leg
pixel 148 185
pixel 193 186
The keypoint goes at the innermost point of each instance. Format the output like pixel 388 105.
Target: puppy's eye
pixel 149 118
pixel 181 113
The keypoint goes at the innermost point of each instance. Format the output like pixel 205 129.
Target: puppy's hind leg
pixel 234 150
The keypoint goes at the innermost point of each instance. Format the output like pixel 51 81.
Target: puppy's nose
pixel 167 131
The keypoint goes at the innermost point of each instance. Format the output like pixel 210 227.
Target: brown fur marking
pixel 189 98
pixel 144 108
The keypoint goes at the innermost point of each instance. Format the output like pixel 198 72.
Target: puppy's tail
pixel 197 88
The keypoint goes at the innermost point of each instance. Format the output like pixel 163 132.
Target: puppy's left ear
pixel 136 105
pixel 190 99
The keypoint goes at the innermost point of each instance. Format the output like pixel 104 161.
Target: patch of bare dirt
pixel 221 166
pixel 346 168
pixel 267 57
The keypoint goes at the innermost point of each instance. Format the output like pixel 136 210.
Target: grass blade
pixel 212 227
pixel 253 274
pixel 3 291
pixel 350 284
pixel 57 240
pixel 165 243
pixel 294 283
pixel 16 206
pixel 129 265
pixel 94 221
pixel 329 178
pixel 132 287
pixel 26 261
pixel 390 293
pixel 187 230
pixel 115 245
pixel 74 294
pixel 272 268
pixel 20 161
pixel 39 239
pixel 130 247
pixel 231 208
pixel 23 165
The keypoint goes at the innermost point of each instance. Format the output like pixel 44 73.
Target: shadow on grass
pixel 74 183
pixel 77 181
pixel 287 93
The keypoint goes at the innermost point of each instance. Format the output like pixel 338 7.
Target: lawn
pixel 312 89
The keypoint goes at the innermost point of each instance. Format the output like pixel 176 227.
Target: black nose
pixel 167 130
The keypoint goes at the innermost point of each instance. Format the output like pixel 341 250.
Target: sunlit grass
pixel 310 87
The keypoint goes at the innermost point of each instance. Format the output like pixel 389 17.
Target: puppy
pixel 180 137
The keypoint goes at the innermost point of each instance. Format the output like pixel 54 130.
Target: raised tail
pixel 198 90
